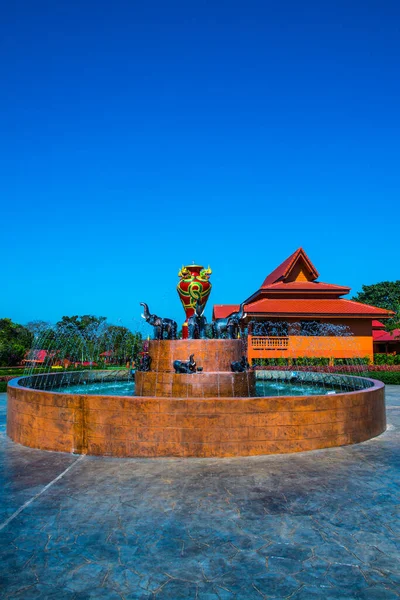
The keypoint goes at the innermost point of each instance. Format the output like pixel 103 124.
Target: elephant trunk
pixel 241 311
pixel 199 309
pixel 146 314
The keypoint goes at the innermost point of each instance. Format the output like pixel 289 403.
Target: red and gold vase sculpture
pixel 194 285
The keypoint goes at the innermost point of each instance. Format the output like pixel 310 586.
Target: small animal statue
pixel 144 362
pixel 161 326
pixel 185 366
pixel 197 323
pixel 240 366
pixel 229 325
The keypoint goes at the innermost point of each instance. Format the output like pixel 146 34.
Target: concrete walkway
pixel 323 524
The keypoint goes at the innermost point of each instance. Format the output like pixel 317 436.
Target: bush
pixel 16 372
pixel 15 340
pixel 19 371
pixel 310 361
pixel 12 354
pixel 3 386
pixel 270 362
pixel 387 359
pixel 388 377
pixel 352 361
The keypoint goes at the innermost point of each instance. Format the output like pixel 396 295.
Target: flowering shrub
pixel 357 369
pixel 389 374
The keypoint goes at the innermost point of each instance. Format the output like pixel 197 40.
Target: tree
pixel 384 295
pixel 92 339
pixel 83 323
pixel 84 338
pixel 15 341
pixel 121 343
pixel 76 338
pixel 38 327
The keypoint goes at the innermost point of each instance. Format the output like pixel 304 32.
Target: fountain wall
pixel 190 427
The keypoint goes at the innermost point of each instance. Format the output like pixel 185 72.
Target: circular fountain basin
pixel 130 426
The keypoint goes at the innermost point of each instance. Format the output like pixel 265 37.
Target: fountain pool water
pixel 263 388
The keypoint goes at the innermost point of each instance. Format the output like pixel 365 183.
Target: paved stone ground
pixel 322 524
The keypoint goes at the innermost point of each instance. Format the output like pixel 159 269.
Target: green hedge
pixel 3 386
pixel 389 377
pixel 15 372
pixel 19 372
pixel 270 362
pixel 313 361
pixel 351 361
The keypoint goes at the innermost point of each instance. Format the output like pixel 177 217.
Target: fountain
pixel 195 396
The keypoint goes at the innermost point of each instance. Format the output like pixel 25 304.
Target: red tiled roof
pixel 221 311
pixel 386 336
pixel 284 268
pixel 377 324
pixel 317 286
pixel 262 303
pixel 337 306
pixel 37 356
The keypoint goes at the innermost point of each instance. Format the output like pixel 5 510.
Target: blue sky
pixel 138 136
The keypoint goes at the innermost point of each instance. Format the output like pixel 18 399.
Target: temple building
pixel 293 315
pixel 385 342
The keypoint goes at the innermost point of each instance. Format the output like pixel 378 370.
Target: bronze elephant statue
pixel 230 325
pixel 163 328
pixel 197 323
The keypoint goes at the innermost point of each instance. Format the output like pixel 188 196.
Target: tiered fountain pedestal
pixel 212 355
pixel 216 379
pixel 196 385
